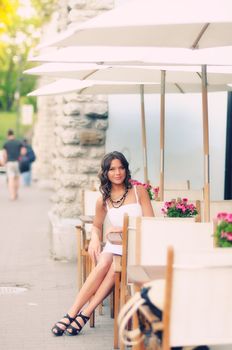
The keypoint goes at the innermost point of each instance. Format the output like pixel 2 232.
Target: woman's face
pixel 117 172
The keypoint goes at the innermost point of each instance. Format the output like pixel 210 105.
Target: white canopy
pixel 64 86
pixel 145 74
pixel 166 23
pixel 136 55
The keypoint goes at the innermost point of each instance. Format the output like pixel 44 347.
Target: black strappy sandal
pixel 70 330
pixel 58 331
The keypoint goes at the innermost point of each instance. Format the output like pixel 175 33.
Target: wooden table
pixel 139 275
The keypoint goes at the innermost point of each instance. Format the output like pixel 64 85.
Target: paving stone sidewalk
pixel 25 261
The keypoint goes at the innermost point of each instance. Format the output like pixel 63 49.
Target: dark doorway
pixel 228 161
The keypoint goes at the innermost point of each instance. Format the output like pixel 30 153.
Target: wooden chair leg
pixel 112 298
pixel 79 260
pixel 92 320
pixel 116 309
pixel 100 306
pixel 100 309
pixel 135 324
pixel 84 267
pixel 90 267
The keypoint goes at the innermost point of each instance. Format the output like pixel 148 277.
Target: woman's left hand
pixel 113 229
pixel 117 237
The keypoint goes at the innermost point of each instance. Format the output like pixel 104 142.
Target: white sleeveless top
pixel 115 216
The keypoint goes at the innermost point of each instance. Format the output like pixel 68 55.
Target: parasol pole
pixel 205 144
pixel 162 134
pixel 144 138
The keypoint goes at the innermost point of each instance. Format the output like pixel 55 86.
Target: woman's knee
pixel 111 272
pixel 104 264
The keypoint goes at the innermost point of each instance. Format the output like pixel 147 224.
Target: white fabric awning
pixel 64 86
pixel 145 74
pixel 161 23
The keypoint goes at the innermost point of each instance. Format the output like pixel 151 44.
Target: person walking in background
pixel 11 152
pixel 27 157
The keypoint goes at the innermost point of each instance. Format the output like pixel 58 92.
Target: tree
pixel 7 11
pixel 19 33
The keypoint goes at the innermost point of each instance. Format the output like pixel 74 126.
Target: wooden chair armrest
pixel 79 228
pixel 117 263
pixel 114 238
pixel 86 219
pixel 81 234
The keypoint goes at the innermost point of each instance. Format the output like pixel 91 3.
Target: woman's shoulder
pixel 101 204
pixel 100 201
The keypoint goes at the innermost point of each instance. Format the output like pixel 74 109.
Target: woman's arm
pixel 96 234
pixel 145 201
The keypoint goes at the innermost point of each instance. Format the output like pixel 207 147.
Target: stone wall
pixel 44 142
pixel 80 124
pixel 70 142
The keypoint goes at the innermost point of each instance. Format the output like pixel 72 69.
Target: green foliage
pixel 19 35
pixel 223 228
pixel 7 12
pixel 44 8
pixel 8 120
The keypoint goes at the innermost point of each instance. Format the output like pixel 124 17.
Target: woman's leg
pixel 92 283
pixel 88 289
pixel 102 291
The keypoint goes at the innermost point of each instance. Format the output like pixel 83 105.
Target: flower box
pixel 179 208
pixel 189 219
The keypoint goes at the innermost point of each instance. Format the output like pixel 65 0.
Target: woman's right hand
pixel 94 248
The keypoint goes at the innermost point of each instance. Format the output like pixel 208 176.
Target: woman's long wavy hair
pixel 105 186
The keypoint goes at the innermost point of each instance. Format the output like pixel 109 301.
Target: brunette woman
pixel 118 197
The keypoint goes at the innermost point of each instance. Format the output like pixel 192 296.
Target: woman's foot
pixel 77 324
pixel 62 325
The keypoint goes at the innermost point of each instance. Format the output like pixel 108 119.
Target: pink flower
pixel 168 204
pixel 223 234
pixel 229 218
pixel 146 186
pixel 229 236
pixel 221 216
pixel 152 191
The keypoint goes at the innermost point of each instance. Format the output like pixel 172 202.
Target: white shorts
pixel 115 249
pixel 12 169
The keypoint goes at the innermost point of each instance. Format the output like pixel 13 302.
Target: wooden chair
pixel 191 194
pixel 145 241
pixel 177 185
pixel 153 236
pixel 217 207
pixel 120 268
pixel 195 304
pixel 83 237
pixel 83 234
